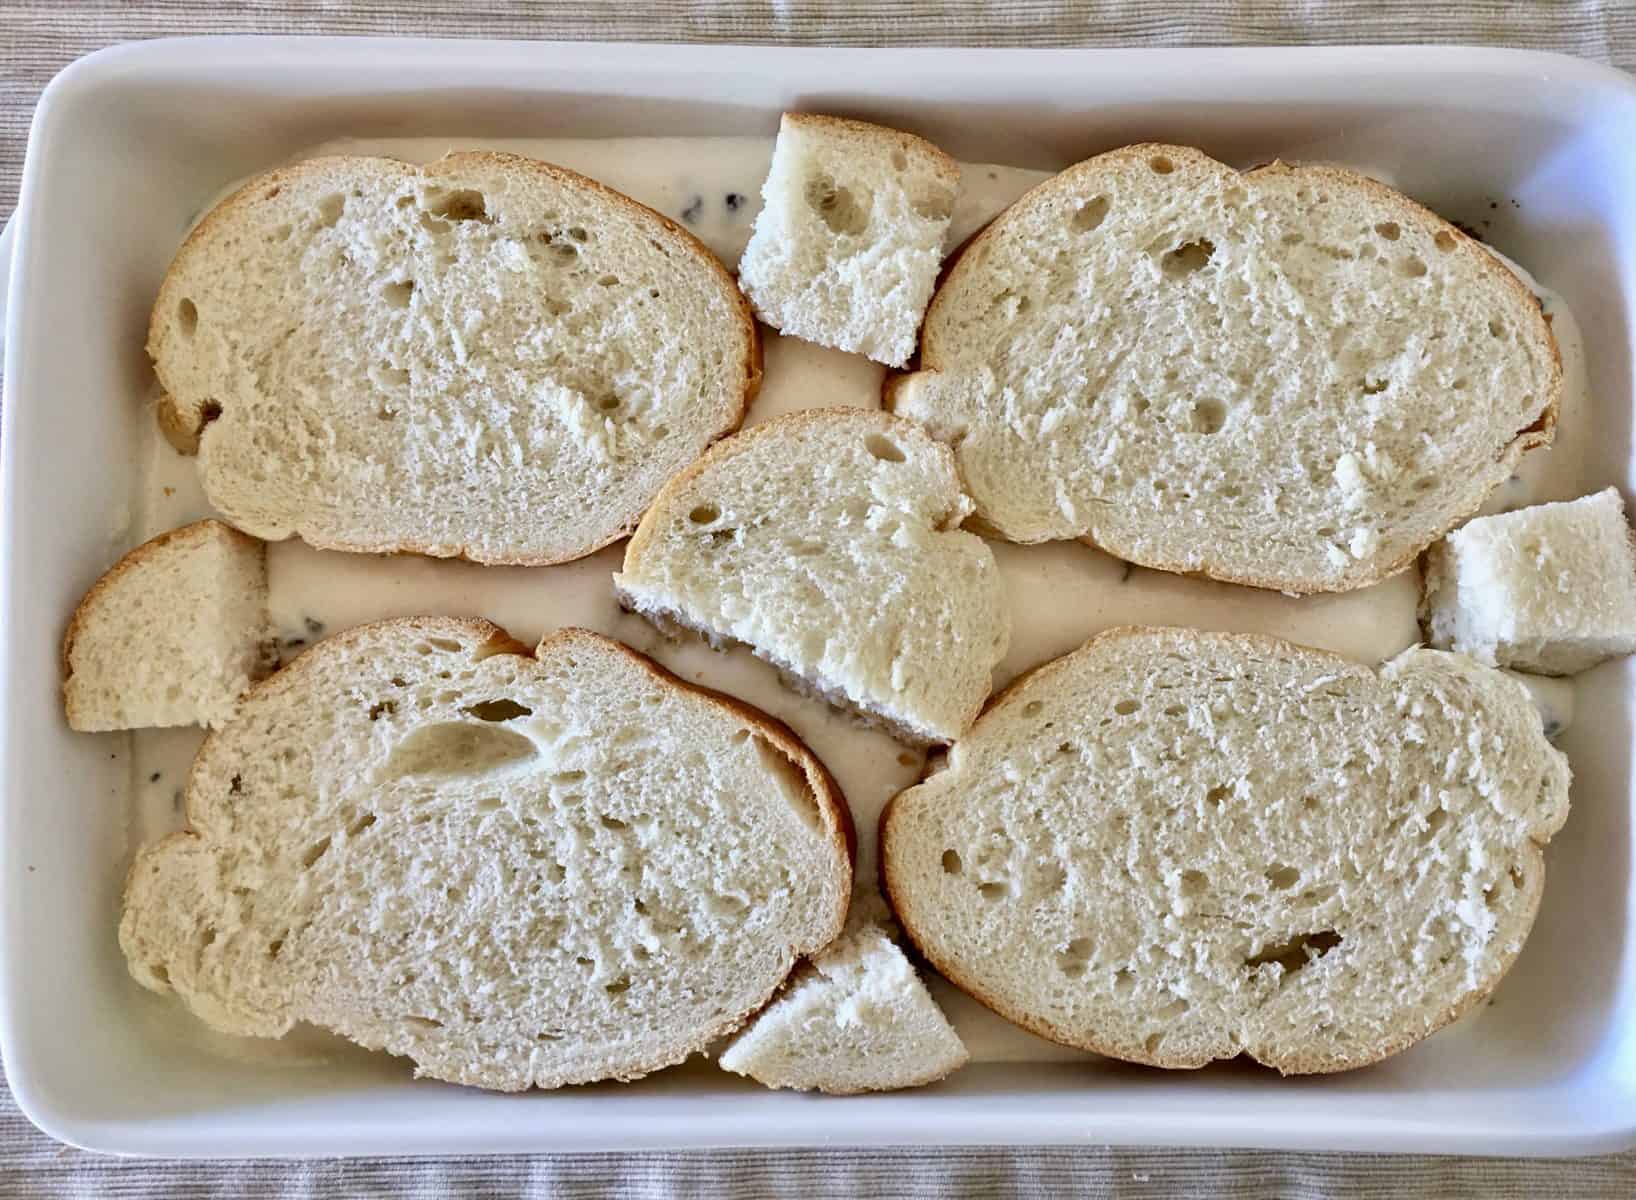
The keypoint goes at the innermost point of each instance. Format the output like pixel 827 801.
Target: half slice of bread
pixel 1172 847
pixel 857 1019
pixel 515 870
pixel 174 633
pixel 848 243
pixel 1293 377
pixel 1549 588
pixel 828 541
pixel 485 356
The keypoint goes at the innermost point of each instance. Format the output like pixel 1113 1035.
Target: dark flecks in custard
pixel 734 202
pixel 313 626
pixel 694 210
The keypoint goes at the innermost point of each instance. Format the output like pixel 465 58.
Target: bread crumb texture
pixel 1173 847
pixel 1292 377
pixel 514 870
pixel 1551 588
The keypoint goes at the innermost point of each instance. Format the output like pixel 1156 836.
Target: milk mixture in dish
pixel 1059 594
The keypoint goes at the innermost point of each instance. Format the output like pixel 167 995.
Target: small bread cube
pixel 846 251
pixel 1550 589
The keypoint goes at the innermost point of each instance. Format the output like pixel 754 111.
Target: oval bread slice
pixel 1293 377
pixel 828 541
pixel 484 356
pixel 515 870
pixel 1172 846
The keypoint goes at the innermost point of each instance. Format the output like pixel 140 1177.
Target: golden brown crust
pixel 1249 643
pixel 181 421
pixel 848 128
pixel 1366 572
pixel 181 538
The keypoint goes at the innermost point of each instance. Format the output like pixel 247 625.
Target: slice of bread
pixel 1551 588
pixel 828 541
pixel 484 356
pixel 174 633
pixel 1172 846
pixel 1293 378
pixel 848 243
pixel 857 1019
pixel 515 870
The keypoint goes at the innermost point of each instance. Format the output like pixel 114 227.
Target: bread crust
pixel 180 538
pixel 872 419
pixel 183 421
pixel 1251 644
pixel 1365 572
pixel 834 812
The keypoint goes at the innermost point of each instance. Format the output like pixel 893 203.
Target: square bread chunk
pixel 847 249
pixel 173 634
pixel 1551 588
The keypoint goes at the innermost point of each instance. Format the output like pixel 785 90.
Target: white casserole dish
pixel 128 143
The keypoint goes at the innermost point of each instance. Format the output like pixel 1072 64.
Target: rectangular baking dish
pixel 1533 150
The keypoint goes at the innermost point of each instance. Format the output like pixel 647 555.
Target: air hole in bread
pixel 315 852
pixel 1153 1042
pixel 608 281
pixel 361 824
pixel 397 294
pixel 1175 710
pixel 1072 959
pixel 503 709
pixel 330 209
pixel 790 780
pixel 807 549
pixel 1194 882
pixel 568 777
pixel 1125 707
pixel 1517 878
pixel 382 708
pixel 1209 416
pixel 1444 241
pixel 1090 214
pixel 992 890
pixel 1292 239
pixel 424 1022
pixel 578 234
pixel 389 377
pixel 608 402
pixel 1372 387
pixel 703 514
pixel 1282 878
pixel 1174 1009
pixel 276 946
pixel 1388 230
pixel 1412 267
pixel 1033 708
pixel 1296 953
pixel 951 862
pixel 1435 820
pixel 900 161
pixel 1496 328
pixel 187 317
pixel 1217 794
pixel 842 210
pixel 1160 165
pixel 906 759
pixel 934 205
pixel 1187 258
pixel 457 748
pixel 883 448
pixel 466 204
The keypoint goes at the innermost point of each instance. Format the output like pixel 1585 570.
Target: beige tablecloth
pixel 38 38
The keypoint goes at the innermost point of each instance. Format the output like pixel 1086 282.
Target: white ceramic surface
pixel 1534 151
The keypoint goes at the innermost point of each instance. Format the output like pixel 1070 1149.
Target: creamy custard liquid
pixel 1059 595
